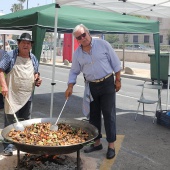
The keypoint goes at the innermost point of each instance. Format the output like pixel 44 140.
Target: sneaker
pixel 8 151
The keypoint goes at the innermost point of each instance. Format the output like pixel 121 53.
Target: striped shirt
pixel 8 61
pixel 1 53
pixel 101 61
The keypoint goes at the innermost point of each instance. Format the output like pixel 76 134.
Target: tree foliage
pixel 17 6
pixel 112 38
pixel 48 36
pixel 21 1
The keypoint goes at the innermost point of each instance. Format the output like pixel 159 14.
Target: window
pixel 135 38
pixel 146 38
pixel 161 38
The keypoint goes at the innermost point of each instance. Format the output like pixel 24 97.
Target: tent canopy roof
pixel 70 16
pixel 154 8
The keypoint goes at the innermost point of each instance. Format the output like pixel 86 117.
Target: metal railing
pixel 163 48
pixel 47 55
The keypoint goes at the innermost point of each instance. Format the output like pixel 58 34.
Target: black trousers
pixel 22 114
pixel 1 101
pixel 104 103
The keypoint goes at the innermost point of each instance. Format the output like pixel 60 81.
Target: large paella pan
pixel 36 149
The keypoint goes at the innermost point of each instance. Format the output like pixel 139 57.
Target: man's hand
pixel 117 85
pixel 69 91
pixel 4 90
pixel 37 79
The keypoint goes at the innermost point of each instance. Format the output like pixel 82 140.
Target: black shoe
pixel 92 148
pixel 110 153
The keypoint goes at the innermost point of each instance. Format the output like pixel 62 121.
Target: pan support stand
pixel 78 159
pixel 18 159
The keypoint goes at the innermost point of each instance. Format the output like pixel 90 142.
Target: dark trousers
pixel 104 103
pixel 22 114
pixel 1 101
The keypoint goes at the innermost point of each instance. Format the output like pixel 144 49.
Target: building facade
pixel 148 38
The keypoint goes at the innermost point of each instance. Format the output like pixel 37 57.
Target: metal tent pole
pixel 54 58
pixel 123 51
pixel 168 83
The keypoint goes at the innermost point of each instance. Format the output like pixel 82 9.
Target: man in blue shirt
pixel 21 69
pixel 97 60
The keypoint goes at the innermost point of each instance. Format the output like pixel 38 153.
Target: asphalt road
pixel 126 97
pixel 140 145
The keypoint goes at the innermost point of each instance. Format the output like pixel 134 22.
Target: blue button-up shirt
pixel 8 61
pixel 101 61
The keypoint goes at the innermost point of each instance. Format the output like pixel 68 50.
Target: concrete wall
pixel 130 55
pixel 134 56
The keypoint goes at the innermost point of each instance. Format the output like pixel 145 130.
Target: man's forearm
pixel 2 79
pixel 117 76
pixel 70 85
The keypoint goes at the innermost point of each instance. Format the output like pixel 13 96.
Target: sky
pixel 5 5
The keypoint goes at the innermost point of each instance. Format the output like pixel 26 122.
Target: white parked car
pixel 138 47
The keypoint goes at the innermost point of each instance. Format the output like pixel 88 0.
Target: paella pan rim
pixel 93 132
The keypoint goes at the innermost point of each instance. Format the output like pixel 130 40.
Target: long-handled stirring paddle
pixel 19 125
pixel 55 126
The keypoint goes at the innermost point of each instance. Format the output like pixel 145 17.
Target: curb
pixel 135 77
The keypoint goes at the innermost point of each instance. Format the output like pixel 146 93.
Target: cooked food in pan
pixel 40 134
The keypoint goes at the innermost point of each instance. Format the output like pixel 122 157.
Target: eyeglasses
pixel 80 37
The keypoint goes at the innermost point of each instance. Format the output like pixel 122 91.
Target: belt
pixel 102 79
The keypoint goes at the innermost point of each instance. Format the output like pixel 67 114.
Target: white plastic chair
pixel 151 94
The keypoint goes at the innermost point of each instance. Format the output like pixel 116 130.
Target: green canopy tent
pixel 44 19
pixel 41 19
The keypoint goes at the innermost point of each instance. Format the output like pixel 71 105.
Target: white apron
pixel 20 82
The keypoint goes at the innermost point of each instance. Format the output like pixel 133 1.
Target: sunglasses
pixel 80 37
